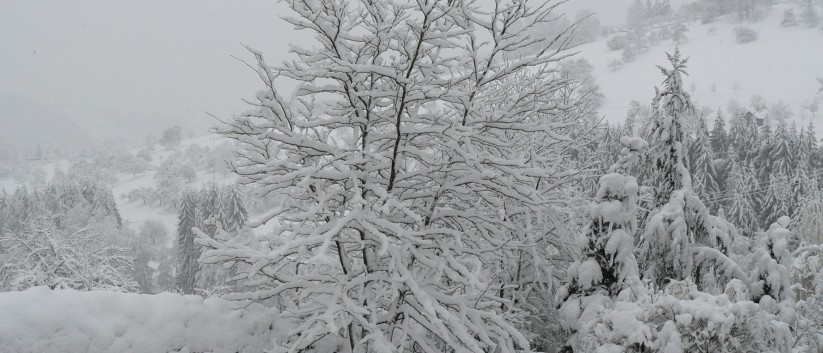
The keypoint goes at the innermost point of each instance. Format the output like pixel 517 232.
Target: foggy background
pixel 82 72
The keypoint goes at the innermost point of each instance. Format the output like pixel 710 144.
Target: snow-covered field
pixel 44 320
pixel 774 66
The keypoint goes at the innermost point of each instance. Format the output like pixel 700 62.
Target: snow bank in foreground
pixel 44 320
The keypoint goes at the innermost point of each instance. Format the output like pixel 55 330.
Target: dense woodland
pixel 441 181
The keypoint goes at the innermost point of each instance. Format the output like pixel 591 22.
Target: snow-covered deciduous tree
pixel 789 18
pixel 679 33
pixel 638 14
pixel 43 254
pixel 154 265
pixel 416 164
pixel 809 15
pixel 171 137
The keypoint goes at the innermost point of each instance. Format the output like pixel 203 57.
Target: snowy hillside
pixel 135 212
pixel 775 66
pixel 47 320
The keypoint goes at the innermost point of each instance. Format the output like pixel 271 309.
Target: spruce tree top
pixel 668 158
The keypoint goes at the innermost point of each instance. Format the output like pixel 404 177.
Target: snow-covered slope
pixel 781 66
pixel 134 213
pixel 44 320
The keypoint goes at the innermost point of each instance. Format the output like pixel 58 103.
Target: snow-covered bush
pixel 683 319
pixel 771 278
pixel 745 35
pixel 615 64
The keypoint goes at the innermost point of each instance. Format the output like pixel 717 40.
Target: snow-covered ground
pixel 44 320
pixel 781 66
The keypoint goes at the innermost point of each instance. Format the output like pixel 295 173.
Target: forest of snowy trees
pixel 441 181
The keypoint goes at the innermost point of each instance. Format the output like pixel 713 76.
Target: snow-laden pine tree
pixel 804 182
pixel 795 138
pixel 743 138
pixel 606 151
pixel 702 161
pixel 808 147
pixel 777 201
pixel 233 214
pixel 780 154
pixel 742 210
pixel 763 158
pixel 607 247
pixel 188 217
pixel 678 226
pixel 416 163
pixel 719 136
pixel 210 206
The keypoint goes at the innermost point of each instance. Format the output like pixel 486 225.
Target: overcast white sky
pixel 159 60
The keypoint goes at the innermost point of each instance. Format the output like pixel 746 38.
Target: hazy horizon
pixel 125 69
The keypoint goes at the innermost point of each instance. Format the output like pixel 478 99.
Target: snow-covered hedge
pixel 681 320
pixel 44 320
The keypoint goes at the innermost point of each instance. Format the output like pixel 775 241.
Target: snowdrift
pixel 44 320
